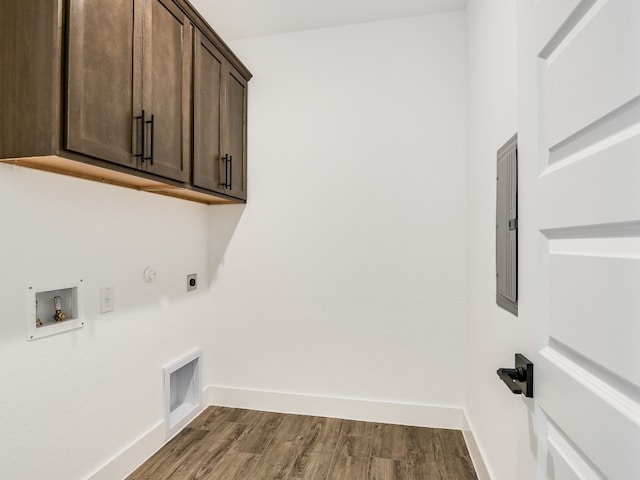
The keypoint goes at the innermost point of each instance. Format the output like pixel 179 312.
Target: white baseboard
pixel 475 451
pixel 132 456
pixel 348 408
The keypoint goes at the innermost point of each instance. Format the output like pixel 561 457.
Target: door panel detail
pixel 584 91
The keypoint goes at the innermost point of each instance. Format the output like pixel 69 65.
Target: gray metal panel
pixel 501 226
pixel 506 226
pixel 512 239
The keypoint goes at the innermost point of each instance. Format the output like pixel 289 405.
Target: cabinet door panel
pixel 235 129
pixel 100 104
pixel 207 165
pixel 166 88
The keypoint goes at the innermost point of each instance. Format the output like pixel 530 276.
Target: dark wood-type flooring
pixel 236 444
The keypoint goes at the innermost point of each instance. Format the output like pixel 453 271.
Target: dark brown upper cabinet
pixel 234 131
pixel 219 130
pixel 101 106
pixel 166 92
pixel 207 109
pixel 137 93
pixel 128 84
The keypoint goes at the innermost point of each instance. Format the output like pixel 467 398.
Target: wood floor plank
pixel 386 469
pixel 421 460
pixel 316 452
pixel 258 435
pixel 352 453
pixel 169 457
pixel 210 416
pixel 277 459
pixel 439 454
pixel 356 428
pixel 389 442
pixel 211 451
pixel 456 459
pixel 234 466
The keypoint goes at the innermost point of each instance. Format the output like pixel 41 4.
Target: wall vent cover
pixel 182 392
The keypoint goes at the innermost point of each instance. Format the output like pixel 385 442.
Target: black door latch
pixel 519 379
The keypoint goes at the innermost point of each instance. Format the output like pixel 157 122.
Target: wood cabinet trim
pixel 111 176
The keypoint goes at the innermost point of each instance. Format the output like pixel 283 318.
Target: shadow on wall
pixel 223 221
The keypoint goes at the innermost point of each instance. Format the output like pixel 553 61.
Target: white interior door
pixel 579 153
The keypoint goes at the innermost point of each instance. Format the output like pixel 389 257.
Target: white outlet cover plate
pixel 106 299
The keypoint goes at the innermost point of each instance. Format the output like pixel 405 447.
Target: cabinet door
pixel 101 98
pixel 166 89
pixel 208 167
pixel 234 131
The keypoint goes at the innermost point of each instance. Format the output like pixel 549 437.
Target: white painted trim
pixel 336 407
pixel 132 456
pixel 475 450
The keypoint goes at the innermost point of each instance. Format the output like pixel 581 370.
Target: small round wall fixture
pixel 150 274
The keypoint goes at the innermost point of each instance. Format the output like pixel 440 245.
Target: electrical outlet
pixel 106 299
pixel 192 282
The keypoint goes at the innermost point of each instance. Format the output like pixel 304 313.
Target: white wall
pixel 492 333
pixel 345 275
pixel 72 401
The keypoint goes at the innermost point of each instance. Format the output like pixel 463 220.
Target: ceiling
pixel 236 19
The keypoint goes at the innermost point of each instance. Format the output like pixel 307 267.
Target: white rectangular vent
pixel 182 392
